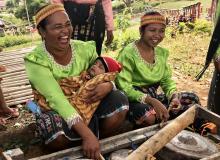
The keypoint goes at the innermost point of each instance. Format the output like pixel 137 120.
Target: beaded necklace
pixel 60 66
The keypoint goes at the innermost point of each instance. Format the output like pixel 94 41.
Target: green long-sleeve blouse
pixel 137 72
pixel 43 73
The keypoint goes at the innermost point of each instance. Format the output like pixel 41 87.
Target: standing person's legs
pixel 4 109
pixel 99 27
pixel 112 112
pixel 214 93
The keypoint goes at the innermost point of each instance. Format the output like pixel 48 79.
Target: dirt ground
pixel 186 83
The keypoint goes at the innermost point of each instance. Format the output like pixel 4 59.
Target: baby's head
pixel 104 64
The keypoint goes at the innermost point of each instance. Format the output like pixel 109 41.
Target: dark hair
pixel 142 28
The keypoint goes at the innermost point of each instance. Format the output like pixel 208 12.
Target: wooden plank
pixel 107 145
pixel 209 115
pixel 163 136
pixel 215 156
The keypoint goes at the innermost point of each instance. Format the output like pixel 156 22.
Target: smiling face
pixel 153 34
pixel 58 31
pixel 97 68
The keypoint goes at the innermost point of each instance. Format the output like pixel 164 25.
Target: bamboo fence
pixel 15 84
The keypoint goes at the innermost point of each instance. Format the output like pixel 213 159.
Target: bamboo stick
pixel 22 99
pixel 9 70
pixel 13 63
pixel 17 92
pixel 18 102
pixel 6 58
pixel 13 74
pixel 19 82
pixel 16 84
pixel 15 52
pixel 163 136
pixel 12 79
pixel 11 59
pixel 14 96
pixel 14 89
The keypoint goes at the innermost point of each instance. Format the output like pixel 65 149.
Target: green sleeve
pixel 167 83
pixel 124 78
pixel 42 80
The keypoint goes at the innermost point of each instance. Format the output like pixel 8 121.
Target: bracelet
pixel 114 88
pixel 143 98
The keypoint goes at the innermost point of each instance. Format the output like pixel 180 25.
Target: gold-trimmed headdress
pixel 149 19
pixel 46 11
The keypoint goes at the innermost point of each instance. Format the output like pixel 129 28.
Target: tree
pixel 32 6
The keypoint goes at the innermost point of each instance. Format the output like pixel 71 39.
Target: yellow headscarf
pixel 46 11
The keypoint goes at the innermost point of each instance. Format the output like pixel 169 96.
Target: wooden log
pixel 107 145
pixel 215 156
pixel 160 139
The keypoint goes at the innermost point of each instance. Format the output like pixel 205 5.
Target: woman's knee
pixel 60 143
pixel 146 121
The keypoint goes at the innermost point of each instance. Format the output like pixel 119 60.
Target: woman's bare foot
pixel 2 121
pixel 2 68
pixel 13 112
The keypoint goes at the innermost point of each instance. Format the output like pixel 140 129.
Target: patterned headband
pixel 148 19
pixel 46 11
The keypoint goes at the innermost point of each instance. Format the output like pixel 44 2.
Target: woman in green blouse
pixel 145 68
pixel 56 58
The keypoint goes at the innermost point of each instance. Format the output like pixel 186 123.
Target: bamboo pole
pixel 12 79
pixel 14 96
pixel 12 58
pixel 16 76
pixel 15 52
pixel 13 74
pixel 13 69
pixel 14 89
pixel 16 84
pixel 20 99
pixel 163 136
pixel 8 83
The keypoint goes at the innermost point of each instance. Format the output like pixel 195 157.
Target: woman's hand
pixel 175 104
pixel 98 92
pixel 90 143
pixel 91 147
pixel 160 109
